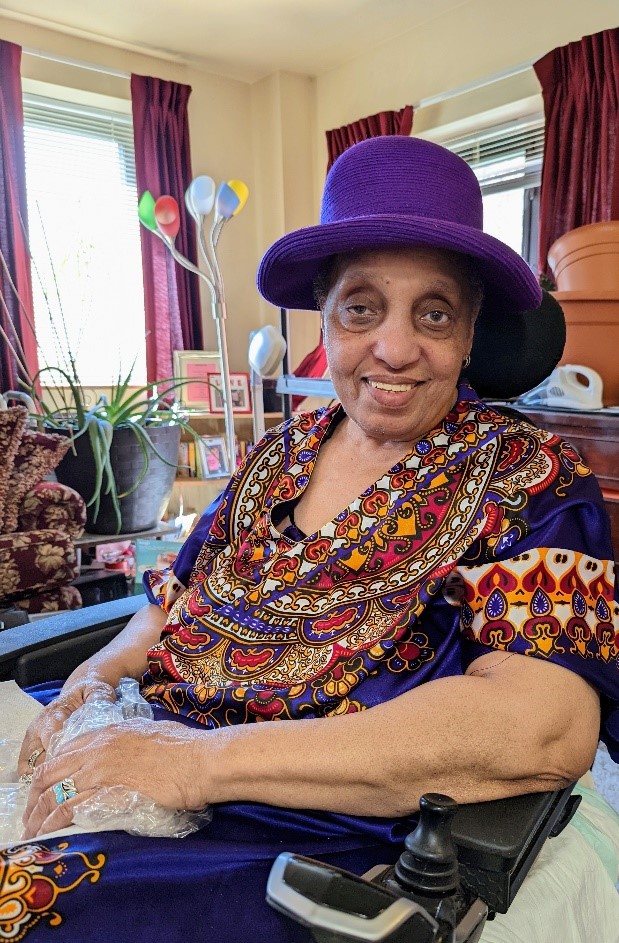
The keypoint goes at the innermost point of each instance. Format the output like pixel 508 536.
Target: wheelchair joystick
pixel 417 901
pixel 429 865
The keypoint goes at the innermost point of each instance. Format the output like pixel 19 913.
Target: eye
pixel 358 309
pixel 437 318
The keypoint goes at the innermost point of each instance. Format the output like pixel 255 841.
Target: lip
pixel 394 381
pixel 392 398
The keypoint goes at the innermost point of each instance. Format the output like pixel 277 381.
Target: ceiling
pixel 244 39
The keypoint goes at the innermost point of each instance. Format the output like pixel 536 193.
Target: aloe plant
pixel 133 408
pixel 136 409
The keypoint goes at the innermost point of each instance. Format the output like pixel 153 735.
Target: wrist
pixel 225 766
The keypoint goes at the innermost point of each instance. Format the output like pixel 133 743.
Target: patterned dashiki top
pixel 489 535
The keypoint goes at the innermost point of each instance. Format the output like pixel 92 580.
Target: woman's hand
pixel 161 760
pixel 51 719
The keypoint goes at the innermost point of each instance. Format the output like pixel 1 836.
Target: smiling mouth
pixel 393 387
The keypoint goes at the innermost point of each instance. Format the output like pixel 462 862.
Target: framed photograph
pixel 198 367
pixel 212 457
pixel 239 388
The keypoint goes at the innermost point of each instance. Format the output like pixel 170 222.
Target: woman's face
pixel 397 326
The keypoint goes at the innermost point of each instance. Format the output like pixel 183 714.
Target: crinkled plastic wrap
pixel 112 807
pixel 13 794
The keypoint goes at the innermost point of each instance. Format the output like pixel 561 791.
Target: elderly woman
pixel 426 583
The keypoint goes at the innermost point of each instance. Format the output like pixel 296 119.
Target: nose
pixel 396 343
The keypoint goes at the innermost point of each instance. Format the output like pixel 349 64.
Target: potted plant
pixel 124 451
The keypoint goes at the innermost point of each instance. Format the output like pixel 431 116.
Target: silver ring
pixel 65 790
pixel 32 759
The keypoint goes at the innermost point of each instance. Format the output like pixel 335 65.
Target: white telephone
pixel 571 386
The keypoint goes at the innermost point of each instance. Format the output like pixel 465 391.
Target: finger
pixel 39 735
pixel 33 758
pixel 30 743
pixel 49 815
pixel 101 691
pixel 45 776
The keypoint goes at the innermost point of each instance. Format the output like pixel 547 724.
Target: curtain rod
pixel 473 86
pixel 76 63
pixel 422 103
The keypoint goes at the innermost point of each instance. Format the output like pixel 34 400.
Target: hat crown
pixel 402 176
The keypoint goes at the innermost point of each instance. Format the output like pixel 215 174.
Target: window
pixel 508 163
pixel 84 240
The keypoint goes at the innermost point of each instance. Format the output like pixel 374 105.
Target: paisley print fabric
pixel 33 878
pixel 489 534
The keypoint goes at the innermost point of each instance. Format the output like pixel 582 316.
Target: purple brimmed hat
pixel 397 191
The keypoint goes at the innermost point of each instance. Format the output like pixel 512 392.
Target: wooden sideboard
pixel 595 436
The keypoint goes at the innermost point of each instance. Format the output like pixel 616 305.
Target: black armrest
pixel 49 649
pixel 498 841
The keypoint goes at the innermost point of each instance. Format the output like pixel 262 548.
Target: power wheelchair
pixel 458 868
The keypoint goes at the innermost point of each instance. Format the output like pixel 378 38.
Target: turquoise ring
pixel 64 790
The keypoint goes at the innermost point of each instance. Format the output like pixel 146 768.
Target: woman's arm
pixel 124 656
pixel 514 724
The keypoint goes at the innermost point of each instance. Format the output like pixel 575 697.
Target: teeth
pixel 392 387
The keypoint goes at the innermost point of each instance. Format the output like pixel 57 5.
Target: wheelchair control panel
pixel 455 872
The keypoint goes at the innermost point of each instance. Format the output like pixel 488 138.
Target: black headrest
pixel 514 353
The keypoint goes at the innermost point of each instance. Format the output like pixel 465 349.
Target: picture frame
pixel 239 389
pixel 213 457
pixel 198 367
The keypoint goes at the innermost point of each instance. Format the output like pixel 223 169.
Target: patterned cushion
pixel 52 600
pixel 37 455
pixel 34 561
pixel 52 504
pixel 12 423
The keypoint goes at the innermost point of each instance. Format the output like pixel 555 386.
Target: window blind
pixel 504 156
pixel 84 236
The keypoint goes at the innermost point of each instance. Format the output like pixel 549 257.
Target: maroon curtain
pixel 385 122
pixel 580 176
pixel 163 166
pixel 13 221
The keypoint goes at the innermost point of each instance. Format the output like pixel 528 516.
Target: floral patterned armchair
pixel 38 520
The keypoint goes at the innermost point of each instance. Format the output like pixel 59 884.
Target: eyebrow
pixel 437 285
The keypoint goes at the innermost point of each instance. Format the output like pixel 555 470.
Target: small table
pixel 101 585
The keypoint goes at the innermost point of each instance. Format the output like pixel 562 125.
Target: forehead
pixel 407 261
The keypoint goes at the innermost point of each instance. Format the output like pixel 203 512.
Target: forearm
pixel 464 736
pixel 125 655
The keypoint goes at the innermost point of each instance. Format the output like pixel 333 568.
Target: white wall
pixel 477 40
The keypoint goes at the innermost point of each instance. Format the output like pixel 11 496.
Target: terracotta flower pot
pixel 587 258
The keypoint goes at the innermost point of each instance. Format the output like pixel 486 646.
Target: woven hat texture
pixel 397 191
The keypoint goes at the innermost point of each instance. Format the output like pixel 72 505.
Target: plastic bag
pixel 110 808
pixel 114 807
pixel 13 794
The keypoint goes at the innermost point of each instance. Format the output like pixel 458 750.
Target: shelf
pixel 91 540
pixel 204 414
pixel 200 481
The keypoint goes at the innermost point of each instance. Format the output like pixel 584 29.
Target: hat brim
pixel 287 271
